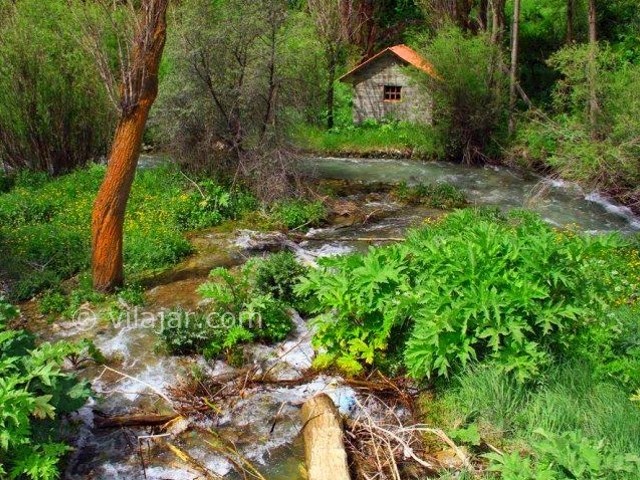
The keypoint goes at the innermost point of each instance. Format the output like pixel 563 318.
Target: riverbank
pixel 548 154
pixel 371 140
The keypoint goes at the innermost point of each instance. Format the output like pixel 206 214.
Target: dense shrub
pixel 564 142
pixel 211 203
pixel 472 287
pixel 54 112
pixel 295 213
pixel 34 393
pixel 220 107
pixel 469 93
pixel 249 305
pixel 277 275
pixel 435 195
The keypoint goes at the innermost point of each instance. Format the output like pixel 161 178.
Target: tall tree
pixel 138 88
pixel 571 14
pixel 594 107
pixel 513 77
pixel 483 15
pixel 497 21
pixel 328 16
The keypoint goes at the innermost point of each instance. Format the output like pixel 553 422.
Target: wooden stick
pixel 325 454
pixel 141 420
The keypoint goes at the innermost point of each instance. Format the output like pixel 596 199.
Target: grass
pixel 371 138
pixel 45 224
pixel 512 416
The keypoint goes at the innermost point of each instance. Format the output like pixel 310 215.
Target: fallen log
pixel 325 455
pixel 136 420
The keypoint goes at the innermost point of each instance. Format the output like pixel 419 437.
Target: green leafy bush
pixel 184 333
pixel 470 287
pixel 564 142
pixel 295 214
pixel 435 195
pixel 566 456
pixel 34 393
pixel 249 305
pixel 276 275
pixel 55 114
pixel 210 204
pixel 469 93
pixel 53 301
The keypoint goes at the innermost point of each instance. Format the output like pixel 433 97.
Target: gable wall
pixel 368 101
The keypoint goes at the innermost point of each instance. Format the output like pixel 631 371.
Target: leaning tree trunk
pixel 139 91
pixel 513 80
pixel 594 108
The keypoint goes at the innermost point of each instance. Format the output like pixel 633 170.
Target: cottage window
pixel 392 93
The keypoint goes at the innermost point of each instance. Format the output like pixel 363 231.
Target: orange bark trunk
pixel 111 203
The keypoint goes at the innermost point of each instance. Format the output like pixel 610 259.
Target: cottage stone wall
pixel 368 103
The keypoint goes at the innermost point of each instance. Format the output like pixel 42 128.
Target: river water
pixel 264 423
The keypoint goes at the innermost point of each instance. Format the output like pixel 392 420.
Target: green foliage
pixel 53 301
pixel 45 223
pixel 213 96
pixel 246 306
pixel 435 195
pixel 210 204
pixel 34 393
pixel 469 93
pixel 471 287
pixel 565 456
pixel 296 213
pixel 567 398
pixel 277 275
pixel 184 333
pixel 6 182
pixel 132 294
pixel 54 112
pixel 565 142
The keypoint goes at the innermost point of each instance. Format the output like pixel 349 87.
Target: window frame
pixel 392 93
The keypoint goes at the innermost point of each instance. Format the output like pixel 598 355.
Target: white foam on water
pixel 329 250
pixel 153 378
pixel 117 344
pixel 272 415
pixel 615 209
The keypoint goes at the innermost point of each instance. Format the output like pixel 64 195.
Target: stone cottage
pixel 384 89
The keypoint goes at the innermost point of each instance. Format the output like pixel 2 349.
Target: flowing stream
pixel 263 422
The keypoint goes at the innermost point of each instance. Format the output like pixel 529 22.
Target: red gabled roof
pixel 403 52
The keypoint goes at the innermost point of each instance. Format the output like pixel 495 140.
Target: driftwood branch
pixel 325 454
pixel 136 420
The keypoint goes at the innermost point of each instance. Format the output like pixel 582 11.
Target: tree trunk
pixel 139 91
pixel 111 202
pixel 513 78
pixel 497 21
pixel 571 13
pixel 325 454
pixel 483 15
pixel 333 67
pixel 594 108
